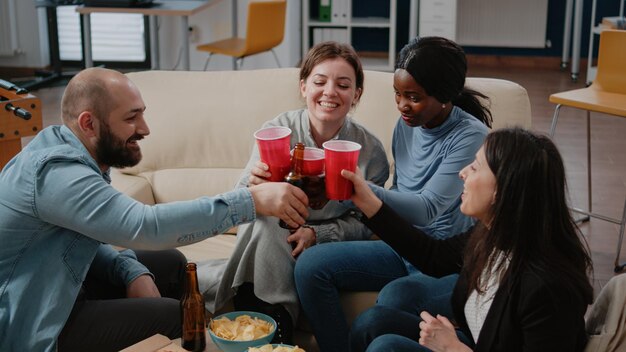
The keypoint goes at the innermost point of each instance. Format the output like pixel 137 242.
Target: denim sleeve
pixel 70 194
pixel 441 190
pixel 117 267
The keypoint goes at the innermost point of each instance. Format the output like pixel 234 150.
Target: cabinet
pixel 345 21
pixel 596 30
pixel 437 18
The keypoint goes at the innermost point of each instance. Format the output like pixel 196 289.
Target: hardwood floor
pixel 608 144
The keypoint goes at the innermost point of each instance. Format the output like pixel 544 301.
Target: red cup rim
pixel 286 131
pixel 341 146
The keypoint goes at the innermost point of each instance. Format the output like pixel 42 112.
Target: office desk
pixel 182 9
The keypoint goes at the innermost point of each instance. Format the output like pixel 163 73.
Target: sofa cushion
pixel 134 186
pixel 202 123
pixel 171 185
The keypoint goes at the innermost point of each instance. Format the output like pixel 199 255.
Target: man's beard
pixel 113 151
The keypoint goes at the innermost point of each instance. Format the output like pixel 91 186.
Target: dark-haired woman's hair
pixel 532 224
pixel 439 66
pixel 332 50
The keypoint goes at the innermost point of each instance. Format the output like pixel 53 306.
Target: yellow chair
pixel 265 30
pixel 607 94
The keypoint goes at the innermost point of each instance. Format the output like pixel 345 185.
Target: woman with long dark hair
pixel 442 125
pixel 524 267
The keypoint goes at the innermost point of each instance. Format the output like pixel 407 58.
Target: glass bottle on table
pixel 192 313
pixel 295 176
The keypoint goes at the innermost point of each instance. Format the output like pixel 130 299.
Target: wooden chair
pixel 607 95
pixel 265 30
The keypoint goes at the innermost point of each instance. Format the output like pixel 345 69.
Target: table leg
pixel 184 31
pixel 87 51
pixel 154 42
pixel 567 33
pixel 413 19
pixel 234 25
pixel 578 24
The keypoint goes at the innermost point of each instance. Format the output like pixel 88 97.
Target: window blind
pixel 114 36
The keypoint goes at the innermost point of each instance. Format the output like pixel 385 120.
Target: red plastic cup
pixel 340 155
pixel 313 161
pixel 273 143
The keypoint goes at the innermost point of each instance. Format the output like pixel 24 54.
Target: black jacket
pixel 530 311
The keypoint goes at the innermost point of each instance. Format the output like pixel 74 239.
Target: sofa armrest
pixel 135 187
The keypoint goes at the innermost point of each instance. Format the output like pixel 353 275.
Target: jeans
pixel 398 343
pixel 103 319
pixel 323 270
pixel 393 323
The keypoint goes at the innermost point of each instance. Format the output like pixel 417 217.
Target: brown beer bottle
pixel 192 312
pixel 295 176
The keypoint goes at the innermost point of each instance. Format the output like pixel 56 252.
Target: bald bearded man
pixel 59 215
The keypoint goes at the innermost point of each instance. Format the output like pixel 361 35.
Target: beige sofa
pixel 201 136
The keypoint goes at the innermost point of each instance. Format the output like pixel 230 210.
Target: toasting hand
pixel 363 196
pixel 282 200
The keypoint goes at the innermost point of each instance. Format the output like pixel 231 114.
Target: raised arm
pixel 433 256
pixel 107 215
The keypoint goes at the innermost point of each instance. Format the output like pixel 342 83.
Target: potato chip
pixel 243 328
pixel 270 348
pixel 247 334
pixel 264 348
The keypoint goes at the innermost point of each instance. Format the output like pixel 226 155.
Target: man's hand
pixel 259 174
pixel 363 197
pixel 142 286
pixel 281 200
pixel 302 238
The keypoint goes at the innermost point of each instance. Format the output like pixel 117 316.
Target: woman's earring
pixel 443 106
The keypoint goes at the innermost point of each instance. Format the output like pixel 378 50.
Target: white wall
pixel 32 37
pixel 213 24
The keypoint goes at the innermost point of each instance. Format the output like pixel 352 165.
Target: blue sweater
pixel 426 188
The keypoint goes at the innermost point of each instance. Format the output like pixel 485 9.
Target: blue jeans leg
pixel 322 271
pixel 418 292
pixel 398 307
pixel 395 343
pixel 379 321
pixel 397 331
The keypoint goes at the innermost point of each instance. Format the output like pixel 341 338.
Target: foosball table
pixel 20 116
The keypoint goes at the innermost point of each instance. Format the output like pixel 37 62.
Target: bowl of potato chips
pixel 277 347
pixel 236 331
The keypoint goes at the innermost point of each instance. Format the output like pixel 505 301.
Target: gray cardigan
pixel 262 255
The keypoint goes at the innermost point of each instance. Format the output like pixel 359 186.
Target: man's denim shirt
pixel 57 211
